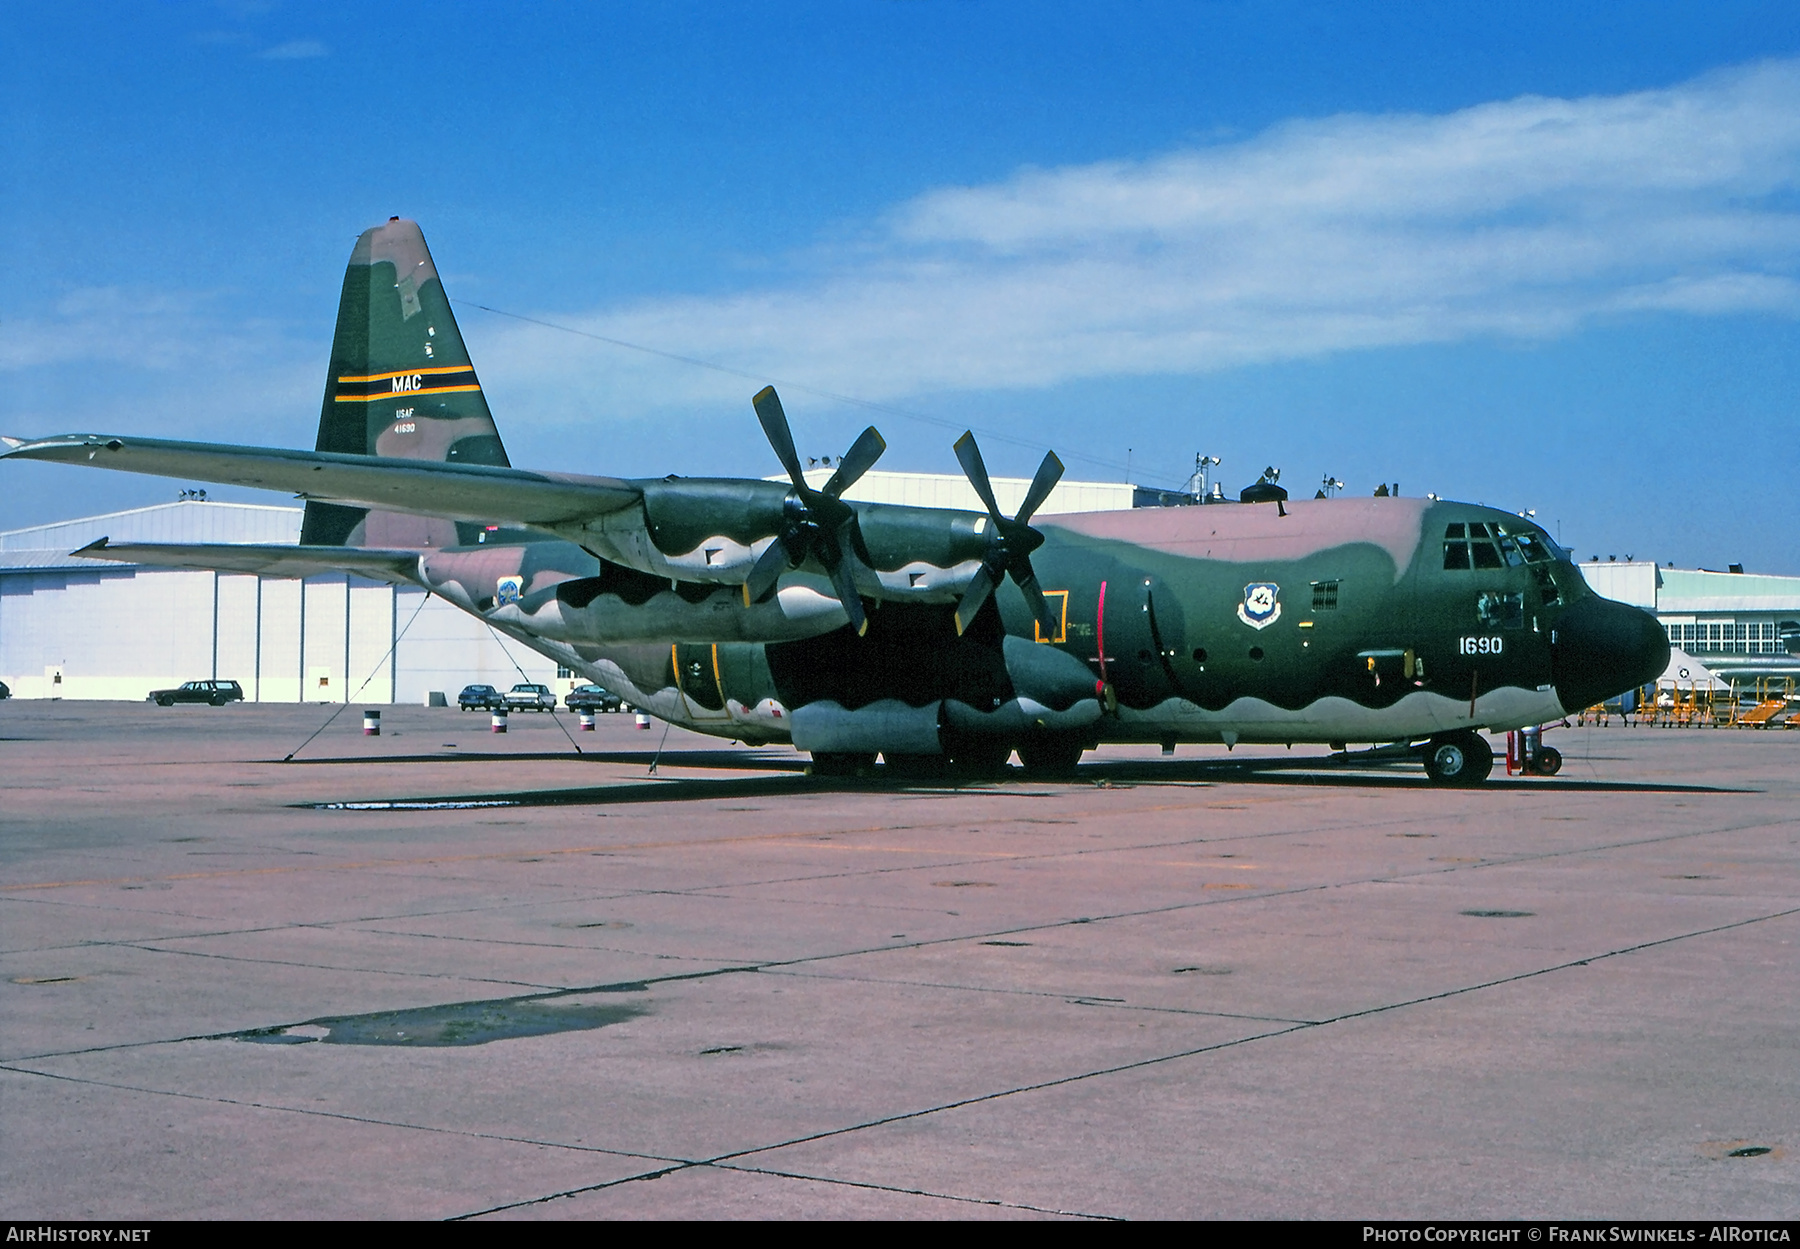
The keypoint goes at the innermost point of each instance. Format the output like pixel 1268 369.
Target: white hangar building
pixel 82 628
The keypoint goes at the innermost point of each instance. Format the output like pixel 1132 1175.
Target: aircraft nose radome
pixel 1603 649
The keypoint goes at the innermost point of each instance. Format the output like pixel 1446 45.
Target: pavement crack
pixel 16 1068
pixel 1053 995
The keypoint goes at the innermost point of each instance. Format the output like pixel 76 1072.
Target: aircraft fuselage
pixel 1333 620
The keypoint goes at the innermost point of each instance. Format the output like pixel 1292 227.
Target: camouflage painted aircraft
pixel 777 612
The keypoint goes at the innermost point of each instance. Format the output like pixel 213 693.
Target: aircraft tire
pixel 842 763
pixel 1050 756
pixel 1549 761
pixel 1462 759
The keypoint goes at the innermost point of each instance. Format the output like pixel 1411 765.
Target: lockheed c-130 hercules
pixel 770 611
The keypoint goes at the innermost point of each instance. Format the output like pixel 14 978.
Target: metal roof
pixel 190 520
pixel 53 558
pixel 954 490
pixel 1682 591
pixel 1701 590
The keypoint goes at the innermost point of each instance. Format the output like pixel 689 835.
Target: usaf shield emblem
pixel 507 591
pixel 1261 606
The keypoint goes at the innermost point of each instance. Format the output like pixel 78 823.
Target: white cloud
pixel 1527 218
pixel 169 364
pixel 147 329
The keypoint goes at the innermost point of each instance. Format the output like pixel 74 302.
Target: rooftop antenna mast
pixel 1200 484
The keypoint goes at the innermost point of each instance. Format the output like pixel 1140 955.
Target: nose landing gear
pixel 1526 754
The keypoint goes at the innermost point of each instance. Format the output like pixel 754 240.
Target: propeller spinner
pixel 817 522
pixel 1010 542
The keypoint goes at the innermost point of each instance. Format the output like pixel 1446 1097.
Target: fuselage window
pixel 1456 554
pixel 1483 553
pixel 1325 595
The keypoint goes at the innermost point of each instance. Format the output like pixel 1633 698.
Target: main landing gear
pixel 1046 756
pixel 1460 758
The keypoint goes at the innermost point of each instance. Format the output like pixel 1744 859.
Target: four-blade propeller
pixel 1010 542
pixel 817 522
pixel 820 525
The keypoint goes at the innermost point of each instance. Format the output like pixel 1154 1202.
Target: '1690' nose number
pixel 1478 646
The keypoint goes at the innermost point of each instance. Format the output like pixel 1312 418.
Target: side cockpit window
pixel 1533 546
pixel 1501 611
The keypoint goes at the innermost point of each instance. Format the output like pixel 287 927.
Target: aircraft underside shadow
pixel 789 780
pixel 738 761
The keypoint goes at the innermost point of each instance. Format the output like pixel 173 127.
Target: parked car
pixel 218 693
pixel 481 698
pixel 524 697
pixel 5 690
pixel 593 698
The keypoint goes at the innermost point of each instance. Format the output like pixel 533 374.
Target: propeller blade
pixel 1048 625
pixel 980 587
pixel 1049 473
pixel 767 571
pixel 856 461
pixel 775 427
pixel 843 579
pixel 969 456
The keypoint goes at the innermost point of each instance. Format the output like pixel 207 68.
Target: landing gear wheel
pixel 1549 761
pixel 1458 759
pixel 1050 756
pixel 842 763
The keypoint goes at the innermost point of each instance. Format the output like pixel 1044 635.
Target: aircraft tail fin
pixel 400 385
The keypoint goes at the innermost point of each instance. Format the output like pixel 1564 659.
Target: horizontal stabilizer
pixel 397 567
pixel 485 494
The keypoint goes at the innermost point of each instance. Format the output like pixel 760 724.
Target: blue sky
pixel 1541 256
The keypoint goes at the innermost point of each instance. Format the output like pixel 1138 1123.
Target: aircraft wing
pixel 471 492
pixel 397 567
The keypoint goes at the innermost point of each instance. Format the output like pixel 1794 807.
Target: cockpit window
pixel 1492 544
pixel 1536 551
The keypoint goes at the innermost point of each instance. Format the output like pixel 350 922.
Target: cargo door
pixel 697 677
